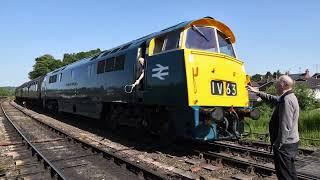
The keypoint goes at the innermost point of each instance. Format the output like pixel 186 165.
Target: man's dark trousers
pixel 284 161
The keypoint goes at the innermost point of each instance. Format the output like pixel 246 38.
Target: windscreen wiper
pixel 195 28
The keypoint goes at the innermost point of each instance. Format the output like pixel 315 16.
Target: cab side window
pixel 172 41
pixel 159 42
pixel 225 45
pixel 109 65
pixel 166 42
pixel 100 66
pixel 52 79
pixel 119 63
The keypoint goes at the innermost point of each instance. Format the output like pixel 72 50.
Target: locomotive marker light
pixel 217 114
pixel 253 113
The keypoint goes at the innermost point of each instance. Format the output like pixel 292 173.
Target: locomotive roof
pixel 183 25
pixel 30 82
pixel 186 24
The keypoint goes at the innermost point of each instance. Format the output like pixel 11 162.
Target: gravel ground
pixel 74 161
pixel 16 161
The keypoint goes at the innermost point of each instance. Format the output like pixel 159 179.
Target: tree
pixel 276 74
pixel 268 75
pixel 43 65
pixel 73 57
pixel 256 77
pixel 305 96
pixel 48 63
pixel 6 91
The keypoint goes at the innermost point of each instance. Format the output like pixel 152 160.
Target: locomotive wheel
pixel 158 124
pixel 52 107
pixel 170 134
pixel 113 124
pixel 111 118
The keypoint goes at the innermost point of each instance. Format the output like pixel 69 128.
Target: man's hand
pixel 136 83
pixel 252 89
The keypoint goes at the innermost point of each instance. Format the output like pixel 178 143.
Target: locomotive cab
pixel 195 72
pixel 216 80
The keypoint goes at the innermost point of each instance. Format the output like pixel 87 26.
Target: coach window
pixel 202 38
pixel 109 65
pixel 225 44
pixel 100 67
pixel 60 77
pixel 119 63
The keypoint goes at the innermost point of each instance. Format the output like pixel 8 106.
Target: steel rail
pixel 54 171
pixel 139 169
pixel 268 146
pixel 263 169
pixel 247 150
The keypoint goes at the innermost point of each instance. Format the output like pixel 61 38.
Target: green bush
pixel 306 97
pixel 6 91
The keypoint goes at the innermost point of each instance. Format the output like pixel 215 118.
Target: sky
pixel 270 35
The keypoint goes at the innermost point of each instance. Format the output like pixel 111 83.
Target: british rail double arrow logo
pixel 159 71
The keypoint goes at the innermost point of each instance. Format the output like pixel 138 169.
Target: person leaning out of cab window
pixel 140 72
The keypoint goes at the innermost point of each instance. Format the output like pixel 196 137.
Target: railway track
pixel 66 157
pixel 24 165
pixel 267 146
pixel 253 159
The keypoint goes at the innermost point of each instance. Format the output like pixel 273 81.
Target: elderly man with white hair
pixel 140 73
pixel 283 126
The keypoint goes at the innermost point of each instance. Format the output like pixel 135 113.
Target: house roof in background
pixel 316 75
pixel 300 76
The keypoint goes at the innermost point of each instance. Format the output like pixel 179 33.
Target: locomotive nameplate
pixel 217 88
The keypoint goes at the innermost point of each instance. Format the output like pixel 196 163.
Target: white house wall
pixel 317 93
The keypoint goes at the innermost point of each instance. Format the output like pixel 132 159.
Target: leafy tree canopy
pixel 256 77
pixel 43 65
pixel 47 62
pixel 73 57
pixel 6 91
pixel 305 96
pixel 267 76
